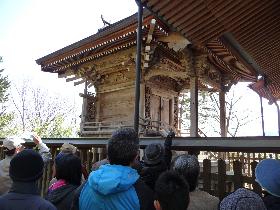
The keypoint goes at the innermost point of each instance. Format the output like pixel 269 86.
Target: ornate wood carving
pixel 176 112
pixel 148 93
pixel 91 106
pixel 115 78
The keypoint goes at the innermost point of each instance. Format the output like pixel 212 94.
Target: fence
pixel 218 177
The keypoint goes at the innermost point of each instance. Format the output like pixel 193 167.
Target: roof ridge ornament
pixel 106 23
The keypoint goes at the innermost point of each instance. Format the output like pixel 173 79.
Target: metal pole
pixel 138 67
pixel 278 112
pixel 262 115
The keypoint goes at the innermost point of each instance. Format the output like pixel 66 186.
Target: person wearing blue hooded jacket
pixel 117 185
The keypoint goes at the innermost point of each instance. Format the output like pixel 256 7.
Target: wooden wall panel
pixel 117 106
pixel 165 107
pixel 155 109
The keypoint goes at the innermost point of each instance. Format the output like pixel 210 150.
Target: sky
pixel 31 29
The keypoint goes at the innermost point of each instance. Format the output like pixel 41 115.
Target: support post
pixel 194 106
pixel 222 113
pixel 262 115
pixel 193 94
pixel 84 108
pixel 278 112
pixel 138 67
pixel 181 112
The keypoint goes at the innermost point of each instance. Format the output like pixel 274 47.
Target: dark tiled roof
pixel 101 33
pixel 254 24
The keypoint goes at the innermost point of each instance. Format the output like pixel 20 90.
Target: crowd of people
pixel 122 180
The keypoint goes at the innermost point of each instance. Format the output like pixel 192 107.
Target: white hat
pixel 12 142
pixel 68 148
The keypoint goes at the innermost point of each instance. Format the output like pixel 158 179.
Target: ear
pixel 157 205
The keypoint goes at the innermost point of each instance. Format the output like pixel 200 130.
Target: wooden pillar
pixel 84 108
pixel 261 101
pixel 194 106
pixel 181 112
pixel 222 113
pixel 278 113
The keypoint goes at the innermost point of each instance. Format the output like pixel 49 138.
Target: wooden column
pixel 193 92
pixel 84 108
pixel 278 113
pixel 262 117
pixel 194 106
pixel 222 113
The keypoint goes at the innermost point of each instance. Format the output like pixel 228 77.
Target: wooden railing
pixel 104 129
pixel 147 123
pixel 101 129
pixel 218 177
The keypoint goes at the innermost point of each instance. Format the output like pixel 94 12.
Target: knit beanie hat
pixel 268 176
pixel 242 199
pixel 26 166
pixel 153 154
pixel 188 166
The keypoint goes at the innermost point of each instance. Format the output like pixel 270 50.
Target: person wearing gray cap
pixel 188 167
pixel 156 159
pixel 12 146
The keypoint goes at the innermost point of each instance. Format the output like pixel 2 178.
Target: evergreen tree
pixel 5 117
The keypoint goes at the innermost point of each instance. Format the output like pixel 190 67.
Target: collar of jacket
pixel 25 188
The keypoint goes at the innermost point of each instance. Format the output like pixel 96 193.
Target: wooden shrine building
pixel 171 63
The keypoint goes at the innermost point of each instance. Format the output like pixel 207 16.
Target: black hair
pixel 9 152
pixel 69 168
pixel 123 146
pixel 172 191
pixel 187 166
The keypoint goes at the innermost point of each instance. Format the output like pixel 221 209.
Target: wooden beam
pixel 66 74
pixel 151 31
pixel 245 144
pixel 80 82
pixel 148 41
pixel 90 84
pixel 70 79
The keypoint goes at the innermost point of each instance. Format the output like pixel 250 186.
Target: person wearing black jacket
pixel 68 169
pixel 25 169
pixel 157 159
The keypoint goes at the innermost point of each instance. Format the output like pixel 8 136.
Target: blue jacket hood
pixel 109 179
